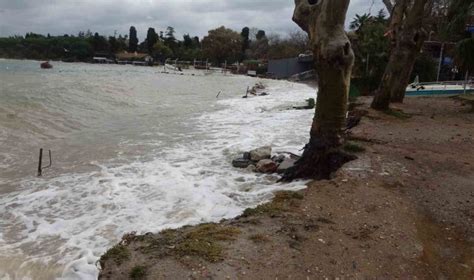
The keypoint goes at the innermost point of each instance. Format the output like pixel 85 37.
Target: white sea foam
pixel 81 215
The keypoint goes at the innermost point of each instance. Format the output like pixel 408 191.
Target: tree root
pixel 317 164
pixel 365 139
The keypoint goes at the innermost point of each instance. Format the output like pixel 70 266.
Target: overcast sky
pixel 195 17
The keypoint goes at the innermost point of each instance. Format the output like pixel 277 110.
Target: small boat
pixel 439 88
pixel 46 65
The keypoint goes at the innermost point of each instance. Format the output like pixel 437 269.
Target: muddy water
pixel 133 150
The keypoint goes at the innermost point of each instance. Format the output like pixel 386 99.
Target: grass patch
pixel 162 244
pixel 118 254
pixel 398 114
pixel 352 147
pixel 138 272
pixel 280 202
pixel 259 238
pixel 261 209
pixel 210 251
pixel 203 241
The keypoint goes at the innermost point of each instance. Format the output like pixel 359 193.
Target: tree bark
pixel 383 94
pixel 407 35
pixel 334 58
pixel 412 38
pixel 388 5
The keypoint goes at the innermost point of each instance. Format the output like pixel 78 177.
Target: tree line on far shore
pixel 220 45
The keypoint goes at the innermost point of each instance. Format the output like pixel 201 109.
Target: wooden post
pixel 465 83
pixel 440 63
pixel 40 169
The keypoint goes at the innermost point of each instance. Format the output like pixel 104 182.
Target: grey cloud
pixel 195 17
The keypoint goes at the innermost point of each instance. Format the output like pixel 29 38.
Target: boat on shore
pixel 46 65
pixel 439 88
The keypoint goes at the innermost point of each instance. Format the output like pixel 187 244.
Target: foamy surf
pixel 66 223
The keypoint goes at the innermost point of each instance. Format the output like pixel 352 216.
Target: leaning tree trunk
pixel 324 22
pixel 408 35
pixel 411 41
pixel 396 77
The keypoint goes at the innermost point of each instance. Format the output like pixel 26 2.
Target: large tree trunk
pixel 408 35
pixel 334 58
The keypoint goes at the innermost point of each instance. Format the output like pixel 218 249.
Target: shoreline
pixel 185 182
pixel 404 208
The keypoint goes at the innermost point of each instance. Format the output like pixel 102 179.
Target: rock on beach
pixel 261 153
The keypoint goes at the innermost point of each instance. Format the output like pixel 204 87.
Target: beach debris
pixel 311 103
pixel 46 65
pixel 259 85
pixel 246 93
pixel 255 89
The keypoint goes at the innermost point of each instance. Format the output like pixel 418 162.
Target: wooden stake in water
pixel 40 169
pixel 40 162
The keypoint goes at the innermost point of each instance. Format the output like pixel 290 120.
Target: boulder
pixel 286 164
pixel 266 166
pixel 261 153
pixel 241 163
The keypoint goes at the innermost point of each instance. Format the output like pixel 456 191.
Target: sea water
pixel 133 149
